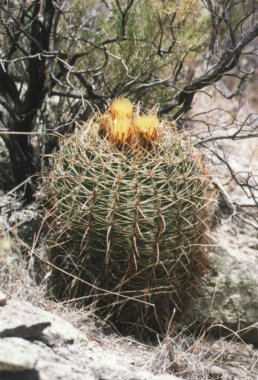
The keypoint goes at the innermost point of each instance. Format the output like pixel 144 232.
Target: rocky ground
pixel 36 344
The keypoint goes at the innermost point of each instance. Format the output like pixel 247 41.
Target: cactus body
pixel 129 222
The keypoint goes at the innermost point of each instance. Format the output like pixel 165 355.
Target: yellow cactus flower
pixel 121 124
pixel 121 108
pixel 147 126
pixel 120 129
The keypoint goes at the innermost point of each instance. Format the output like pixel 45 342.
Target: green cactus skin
pixel 129 221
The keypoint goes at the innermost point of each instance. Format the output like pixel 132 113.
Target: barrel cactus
pixel 129 201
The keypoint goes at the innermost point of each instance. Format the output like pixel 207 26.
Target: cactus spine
pixel 129 213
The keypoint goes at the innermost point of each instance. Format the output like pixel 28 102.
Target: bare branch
pixel 227 62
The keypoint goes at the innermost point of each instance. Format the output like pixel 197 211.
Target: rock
pixel 30 322
pixel 19 355
pixel 37 345
pixel 227 304
pixel 16 355
pixel 2 299
pixel 20 319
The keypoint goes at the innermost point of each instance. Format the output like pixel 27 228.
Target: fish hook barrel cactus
pixel 129 201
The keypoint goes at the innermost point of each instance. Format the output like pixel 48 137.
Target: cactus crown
pixel 122 124
pixel 128 224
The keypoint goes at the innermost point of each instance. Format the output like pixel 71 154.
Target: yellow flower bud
pixel 147 126
pixel 120 108
pixel 120 129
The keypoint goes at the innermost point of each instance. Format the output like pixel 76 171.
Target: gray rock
pixel 30 322
pixel 227 304
pixel 37 345
pixel 17 354
pixel 20 319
